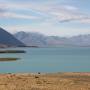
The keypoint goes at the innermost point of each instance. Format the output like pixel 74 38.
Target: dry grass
pixel 59 81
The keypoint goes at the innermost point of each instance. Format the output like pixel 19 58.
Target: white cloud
pixel 5 13
pixel 18 16
pixel 57 12
pixel 48 29
pixel 60 12
pixel 47 16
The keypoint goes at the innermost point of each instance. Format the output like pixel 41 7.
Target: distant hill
pixel 31 39
pixel 6 39
pixel 36 39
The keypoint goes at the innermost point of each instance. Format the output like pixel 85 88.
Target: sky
pixel 49 17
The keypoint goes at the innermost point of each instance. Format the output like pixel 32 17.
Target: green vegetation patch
pixel 12 51
pixel 9 59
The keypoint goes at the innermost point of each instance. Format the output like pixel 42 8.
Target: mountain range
pixel 8 40
pixel 37 39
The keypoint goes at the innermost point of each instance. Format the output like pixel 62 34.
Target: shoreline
pixel 45 81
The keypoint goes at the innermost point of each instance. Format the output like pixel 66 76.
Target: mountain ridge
pixel 8 40
pixel 37 39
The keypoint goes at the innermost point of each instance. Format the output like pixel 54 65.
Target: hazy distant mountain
pixel 80 40
pixel 6 39
pixel 36 39
pixel 31 39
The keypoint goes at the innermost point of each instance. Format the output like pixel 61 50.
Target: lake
pixel 62 59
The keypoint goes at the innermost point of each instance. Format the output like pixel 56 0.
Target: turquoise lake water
pixel 63 59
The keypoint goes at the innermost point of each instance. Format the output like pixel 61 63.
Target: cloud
pixel 47 29
pixel 51 11
pixel 66 13
pixel 18 16
pixel 2 10
pixel 6 13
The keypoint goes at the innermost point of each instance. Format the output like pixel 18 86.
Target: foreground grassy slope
pixel 59 81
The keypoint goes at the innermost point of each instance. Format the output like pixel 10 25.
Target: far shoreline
pixel 8 59
pixel 12 51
